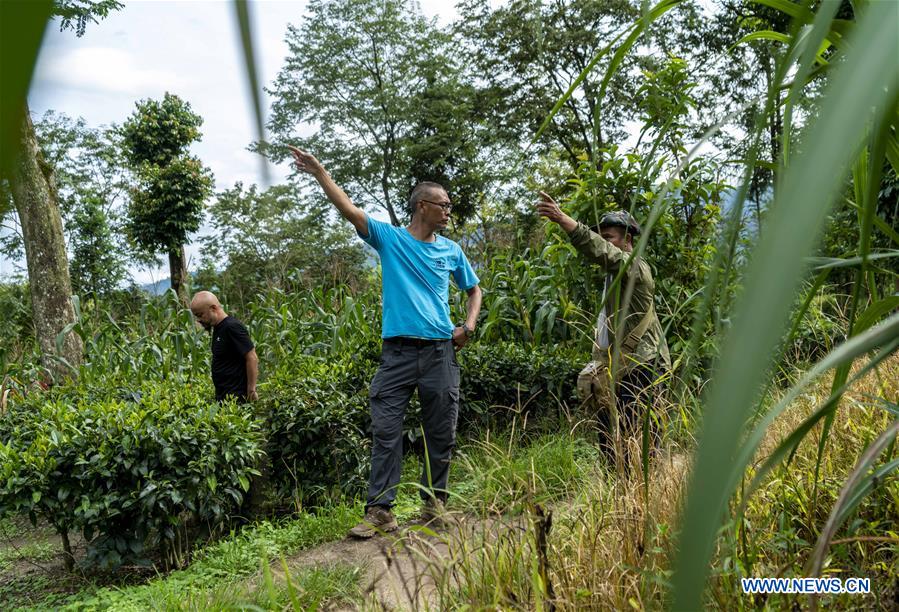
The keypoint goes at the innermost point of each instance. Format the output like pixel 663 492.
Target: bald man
pixel 235 366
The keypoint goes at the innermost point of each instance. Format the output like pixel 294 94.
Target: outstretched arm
pixel 305 162
pixel 596 248
pixel 548 208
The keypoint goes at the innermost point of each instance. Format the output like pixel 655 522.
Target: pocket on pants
pixel 594 382
pixel 376 384
pixel 389 359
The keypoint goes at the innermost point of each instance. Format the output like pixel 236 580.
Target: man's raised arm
pixel 307 163
pixel 596 248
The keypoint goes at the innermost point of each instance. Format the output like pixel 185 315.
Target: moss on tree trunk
pixel 35 198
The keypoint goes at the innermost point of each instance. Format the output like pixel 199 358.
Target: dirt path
pixel 399 567
pixel 404 570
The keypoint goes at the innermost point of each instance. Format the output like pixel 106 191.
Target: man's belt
pixel 419 342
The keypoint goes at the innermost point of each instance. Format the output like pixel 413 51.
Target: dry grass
pixel 601 550
pixel 609 547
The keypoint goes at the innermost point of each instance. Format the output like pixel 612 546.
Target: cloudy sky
pixel 190 49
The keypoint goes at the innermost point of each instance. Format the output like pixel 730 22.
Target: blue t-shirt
pixel 415 281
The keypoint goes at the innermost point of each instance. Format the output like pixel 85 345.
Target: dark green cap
pixel 620 218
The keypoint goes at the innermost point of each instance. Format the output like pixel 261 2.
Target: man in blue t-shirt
pixel 419 341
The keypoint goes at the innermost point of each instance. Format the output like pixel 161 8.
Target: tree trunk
pixel 34 194
pixel 68 558
pixel 178 272
pixel 385 189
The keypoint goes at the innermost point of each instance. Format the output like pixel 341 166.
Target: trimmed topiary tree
pixel 167 206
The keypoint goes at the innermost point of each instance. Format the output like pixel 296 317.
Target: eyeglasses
pixel 447 206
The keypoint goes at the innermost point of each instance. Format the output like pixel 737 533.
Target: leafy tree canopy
pixel 276 238
pixel 160 131
pixel 377 81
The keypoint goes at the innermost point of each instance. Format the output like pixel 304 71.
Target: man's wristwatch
pixel 469 332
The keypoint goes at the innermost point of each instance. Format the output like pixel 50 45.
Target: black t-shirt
pixel 230 345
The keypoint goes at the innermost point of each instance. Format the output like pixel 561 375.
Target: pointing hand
pixel 305 162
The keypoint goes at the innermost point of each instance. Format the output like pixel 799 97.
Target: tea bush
pixel 505 374
pixel 316 416
pixel 126 471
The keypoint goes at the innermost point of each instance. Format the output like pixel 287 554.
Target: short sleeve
pixel 463 273
pixel 377 233
pixel 240 339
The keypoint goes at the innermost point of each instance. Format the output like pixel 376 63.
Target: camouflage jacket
pixel 651 346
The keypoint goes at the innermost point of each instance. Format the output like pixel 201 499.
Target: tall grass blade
pixel 869 482
pixel 22 26
pixel 242 12
pixel 866 175
pixel 829 263
pixel 848 498
pixel 807 191
pixel 884 336
pixel 893 146
pixel 291 590
pixel 875 312
pixel 793 9
pixel 811 41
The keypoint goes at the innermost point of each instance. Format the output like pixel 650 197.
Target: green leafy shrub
pixel 506 374
pixel 127 473
pixel 318 419
pixel 316 422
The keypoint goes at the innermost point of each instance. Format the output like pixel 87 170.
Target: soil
pixel 404 569
pixel 19 573
pixel 27 581
pixel 396 565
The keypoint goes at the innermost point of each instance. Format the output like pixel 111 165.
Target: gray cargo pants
pixel 407 364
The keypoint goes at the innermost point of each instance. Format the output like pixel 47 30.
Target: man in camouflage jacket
pixel 640 342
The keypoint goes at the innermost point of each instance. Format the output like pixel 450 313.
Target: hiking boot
pixel 432 512
pixel 377 519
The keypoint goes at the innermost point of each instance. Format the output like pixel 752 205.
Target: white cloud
pixel 188 48
pixel 102 70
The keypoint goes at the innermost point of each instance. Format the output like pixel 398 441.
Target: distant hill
pixel 157 288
